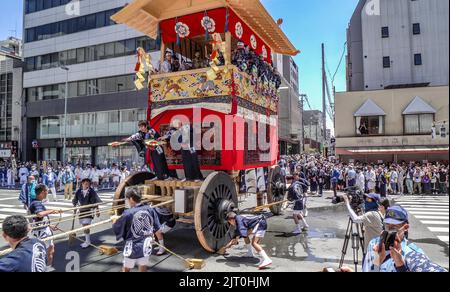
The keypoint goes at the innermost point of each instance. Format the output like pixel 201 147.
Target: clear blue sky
pixel 308 23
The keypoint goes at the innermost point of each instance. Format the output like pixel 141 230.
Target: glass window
pixel 110 85
pixel 30 63
pixel 81 155
pixel 100 52
pixel 130 46
pixel 109 50
pixel 38 64
pixel 418 124
pixel 121 83
pixel 417 59
pixel 90 54
pixel 92 87
pixel 368 126
pixel 89 124
pixel 50 92
pixel 416 28
pixel 101 85
pixel 74 125
pixel 47 4
pixel 40 93
pixel 46 59
pixel 62 90
pixel 30 33
pixel 71 57
pixel 102 124
pixel 119 48
pixel 82 88
pixel 100 19
pixel 32 94
pixel 73 89
pixel 386 62
pixel 50 128
pixel 114 118
pixel 80 55
pixel 49 154
pixel 31 6
pixel 108 19
pixel 128 119
pixel 54 60
pixel 129 83
pixel 90 21
pixel 63 57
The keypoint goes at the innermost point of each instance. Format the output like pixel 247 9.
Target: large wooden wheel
pixel 133 180
pixel 217 197
pixel 276 189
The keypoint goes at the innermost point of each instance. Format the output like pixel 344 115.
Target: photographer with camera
pixel 392 252
pixel 375 210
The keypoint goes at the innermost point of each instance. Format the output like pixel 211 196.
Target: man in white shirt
pixel 87 173
pixel 115 173
pixel 418 174
pixel 394 180
pixel 371 179
pixel 23 174
pixel 360 180
pixel 105 178
pixel 96 173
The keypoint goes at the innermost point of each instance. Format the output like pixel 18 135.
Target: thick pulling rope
pixel 81 229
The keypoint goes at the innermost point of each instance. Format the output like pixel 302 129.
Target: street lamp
pixel 65 113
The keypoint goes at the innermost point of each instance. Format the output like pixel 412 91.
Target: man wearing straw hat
pixel 83 197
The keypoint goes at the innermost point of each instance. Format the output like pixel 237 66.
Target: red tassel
pixel 138 67
pixel 233 95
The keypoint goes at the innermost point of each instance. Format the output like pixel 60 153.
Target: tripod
pixel 356 233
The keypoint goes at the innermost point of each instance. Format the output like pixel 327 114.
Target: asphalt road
pixel 312 251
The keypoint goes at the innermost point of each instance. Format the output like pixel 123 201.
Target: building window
pixel 69 26
pixel 420 124
pixel 385 32
pixel 39 5
pixel 370 126
pixel 87 54
pixel 417 59
pixel 386 62
pixel 416 28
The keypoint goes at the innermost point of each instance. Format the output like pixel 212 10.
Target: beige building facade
pixel 393 125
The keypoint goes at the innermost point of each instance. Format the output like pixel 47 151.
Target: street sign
pixel 5 153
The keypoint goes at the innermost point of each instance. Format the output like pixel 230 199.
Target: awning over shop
pixel 419 106
pixel 369 109
pixel 398 150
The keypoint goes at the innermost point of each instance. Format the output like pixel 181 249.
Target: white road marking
pixel 439 229
pixel 443 238
pixel 434 222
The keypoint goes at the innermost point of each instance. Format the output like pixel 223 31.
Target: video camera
pixel 356 198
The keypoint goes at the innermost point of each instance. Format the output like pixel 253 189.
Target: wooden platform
pixel 163 191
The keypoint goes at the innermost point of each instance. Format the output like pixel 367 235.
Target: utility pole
pixel 303 96
pixel 65 114
pixel 324 105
